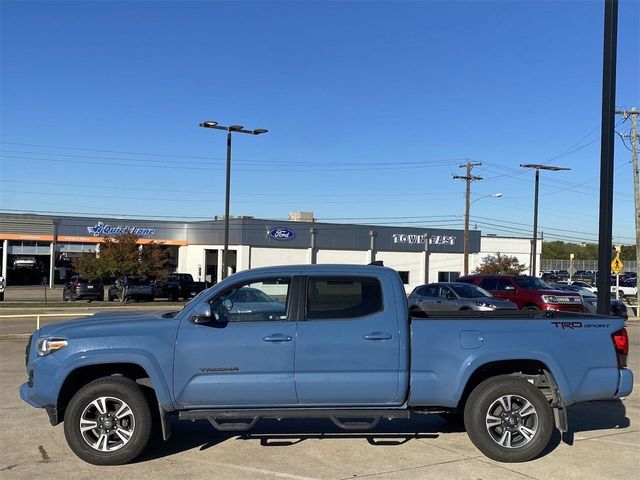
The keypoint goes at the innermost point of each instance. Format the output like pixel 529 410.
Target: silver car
pixel 450 296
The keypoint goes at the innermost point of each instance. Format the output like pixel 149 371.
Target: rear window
pixel 343 297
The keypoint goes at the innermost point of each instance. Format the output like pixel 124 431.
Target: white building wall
pixel 352 257
pixel 266 257
pixel 191 258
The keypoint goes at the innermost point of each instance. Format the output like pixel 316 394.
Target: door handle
pixel 277 338
pixel 378 336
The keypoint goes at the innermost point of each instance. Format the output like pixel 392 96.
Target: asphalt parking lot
pixel 606 444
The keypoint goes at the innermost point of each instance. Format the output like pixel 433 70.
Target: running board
pixel 363 419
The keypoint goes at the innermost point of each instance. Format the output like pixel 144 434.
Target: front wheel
pixel 108 421
pixel 508 419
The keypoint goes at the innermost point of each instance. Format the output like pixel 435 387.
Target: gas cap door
pixel 471 339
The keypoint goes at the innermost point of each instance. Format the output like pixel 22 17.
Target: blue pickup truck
pixel 320 341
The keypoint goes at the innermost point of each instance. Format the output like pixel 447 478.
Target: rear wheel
pixel 508 419
pixel 531 308
pixel 108 421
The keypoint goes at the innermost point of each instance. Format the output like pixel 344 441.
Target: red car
pixel 529 293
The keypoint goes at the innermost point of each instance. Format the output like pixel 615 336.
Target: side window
pixel 504 284
pixel 342 297
pixel 488 283
pixel 431 291
pixel 447 293
pixel 404 276
pixel 258 301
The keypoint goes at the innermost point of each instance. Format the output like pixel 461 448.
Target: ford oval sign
pixel 281 233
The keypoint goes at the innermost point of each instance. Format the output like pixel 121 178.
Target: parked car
pixel 131 289
pixel 528 293
pixel 24 262
pixel 588 286
pixel 345 349
pixel 627 288
pixel 449 296
pixel 177 286
pixel 80 288
pixel 590 299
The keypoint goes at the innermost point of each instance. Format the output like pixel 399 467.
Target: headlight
pixel 45 345
pixel 485 304
pixel 549 299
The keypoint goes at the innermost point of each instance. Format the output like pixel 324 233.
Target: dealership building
pixel 38 247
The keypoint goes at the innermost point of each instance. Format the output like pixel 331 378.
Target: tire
pixel 531 308
pixel 504 441
pixel 130 432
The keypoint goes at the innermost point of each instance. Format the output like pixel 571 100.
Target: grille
pixel 571 300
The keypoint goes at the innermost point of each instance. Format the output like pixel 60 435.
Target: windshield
pixel 469 291
pixel 532 282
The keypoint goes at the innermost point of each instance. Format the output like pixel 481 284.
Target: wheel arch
pixel 536 371
pixel 153 386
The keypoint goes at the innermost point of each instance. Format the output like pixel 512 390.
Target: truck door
pixel 348 345
pixel 245 358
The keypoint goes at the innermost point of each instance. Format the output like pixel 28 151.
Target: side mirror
pixel 202 314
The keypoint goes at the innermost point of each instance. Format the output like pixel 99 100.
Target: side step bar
pixel 226 420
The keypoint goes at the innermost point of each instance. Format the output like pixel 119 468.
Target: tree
pixel 122 256
pixel 500 264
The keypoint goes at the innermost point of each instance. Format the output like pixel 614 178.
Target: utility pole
pixel 468 178
pixel 633 114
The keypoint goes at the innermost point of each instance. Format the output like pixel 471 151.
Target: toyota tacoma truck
pixel 320 341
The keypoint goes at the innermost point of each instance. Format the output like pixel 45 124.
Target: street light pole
pixel 534 246
pixel 229 129
pixel 225 258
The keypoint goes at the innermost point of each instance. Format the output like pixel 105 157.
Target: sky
pixel 371 108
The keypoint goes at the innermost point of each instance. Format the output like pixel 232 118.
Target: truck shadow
pixel 272 433
pixel 597 415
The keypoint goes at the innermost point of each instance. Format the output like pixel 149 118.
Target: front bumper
pixel 24 395
pixel 625 383
pixel 577 308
